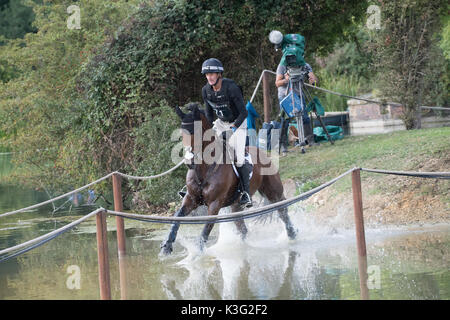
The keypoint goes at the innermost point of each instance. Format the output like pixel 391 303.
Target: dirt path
pixel 387 199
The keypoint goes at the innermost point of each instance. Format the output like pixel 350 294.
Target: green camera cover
pixel 293 44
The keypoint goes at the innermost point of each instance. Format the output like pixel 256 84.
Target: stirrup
pixel 183 192
pixel 245 200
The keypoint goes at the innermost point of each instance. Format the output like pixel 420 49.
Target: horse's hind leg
pixel 283 214
pixel 290 229
pixel 273 191
pixel 240 224
pixel 213 209
pixel 205 235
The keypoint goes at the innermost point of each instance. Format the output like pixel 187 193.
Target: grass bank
pixel 417 199
pixel 402 150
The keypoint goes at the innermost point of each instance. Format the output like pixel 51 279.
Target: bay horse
pixel 215 184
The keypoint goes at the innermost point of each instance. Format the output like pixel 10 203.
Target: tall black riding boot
pixel 244 174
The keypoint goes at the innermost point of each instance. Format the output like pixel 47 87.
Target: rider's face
pixel 212 78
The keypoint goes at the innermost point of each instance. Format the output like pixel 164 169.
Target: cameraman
pixel 282 79
pixel 282 82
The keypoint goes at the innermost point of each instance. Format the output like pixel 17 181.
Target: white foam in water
pixel 227 237
pixel 192 248
pixel 271 234
pixel 261 235
pixel 267 265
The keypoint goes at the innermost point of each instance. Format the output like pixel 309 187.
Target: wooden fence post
pixel 266 97
pixel 103 258
pixel 360 235
pixel 121 242
pixel 118 206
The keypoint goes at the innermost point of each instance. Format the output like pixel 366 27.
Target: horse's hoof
pixel 201 244
pixel 292 233
pixel 166 249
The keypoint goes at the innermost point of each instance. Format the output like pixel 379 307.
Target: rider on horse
pixel 224 99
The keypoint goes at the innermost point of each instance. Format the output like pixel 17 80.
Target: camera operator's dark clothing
pixel 282 90
pixel 227 103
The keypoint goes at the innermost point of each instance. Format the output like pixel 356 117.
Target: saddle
pixel 239 188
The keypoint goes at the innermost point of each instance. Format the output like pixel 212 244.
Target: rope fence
pixel 338 94
pixel 100 213
pixel 315 87
pixel 41 240
pixel 436 175
pixel 89 185
pixel 56 198
pixel 435 108
pixel 149 177
pixel 235 215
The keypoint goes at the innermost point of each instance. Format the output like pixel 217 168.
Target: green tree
pixel 37 108
pixel 93 106
pixel 404 51
pixel 15 19
pixel 445 40
pixel 153 62
pixel 347 69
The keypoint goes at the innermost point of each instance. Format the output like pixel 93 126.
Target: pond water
pixel 403 262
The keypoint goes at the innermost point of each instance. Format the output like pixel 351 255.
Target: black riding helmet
pixel 212 65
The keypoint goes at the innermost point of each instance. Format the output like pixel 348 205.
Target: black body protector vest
pixel 221 101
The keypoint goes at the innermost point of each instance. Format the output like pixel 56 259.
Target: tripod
pixel 296 81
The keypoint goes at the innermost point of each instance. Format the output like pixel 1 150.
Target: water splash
pixel 267 265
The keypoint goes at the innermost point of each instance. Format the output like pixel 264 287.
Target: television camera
pixel 294 104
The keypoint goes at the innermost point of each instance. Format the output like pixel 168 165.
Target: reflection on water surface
pixel 412 264
pixel 406 262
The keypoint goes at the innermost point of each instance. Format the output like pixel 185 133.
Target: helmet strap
pixel 218 78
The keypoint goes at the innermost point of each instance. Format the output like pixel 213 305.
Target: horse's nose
pixel 188 156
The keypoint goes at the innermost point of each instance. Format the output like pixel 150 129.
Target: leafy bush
pixel 345 84
pixel 39 108
pixel 110 108
pixel 155 59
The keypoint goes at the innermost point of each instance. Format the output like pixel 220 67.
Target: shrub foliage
pixel 100 98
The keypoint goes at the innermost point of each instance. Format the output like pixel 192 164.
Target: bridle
pixel 189 155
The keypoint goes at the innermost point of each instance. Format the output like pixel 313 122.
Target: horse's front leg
pixel 213 209
pixel 166 246
pixel 240 224
pixel 188 205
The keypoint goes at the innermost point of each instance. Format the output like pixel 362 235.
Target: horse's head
pixel 193 125
pixel 188 119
